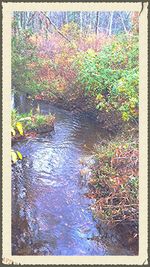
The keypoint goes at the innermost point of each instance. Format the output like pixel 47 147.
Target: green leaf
pixel 98 106
pixel 125 116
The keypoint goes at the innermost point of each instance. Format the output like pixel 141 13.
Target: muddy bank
pixel 124 234
pixel 113 186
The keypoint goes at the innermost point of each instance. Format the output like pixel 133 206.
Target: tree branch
pixel 32 16
pixel 50 22
pixel 123 23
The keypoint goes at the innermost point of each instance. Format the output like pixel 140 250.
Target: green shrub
pixel 40 120
pixel 112 76
pixel 24 64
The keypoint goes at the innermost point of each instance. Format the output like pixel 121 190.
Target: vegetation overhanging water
pixel 67 58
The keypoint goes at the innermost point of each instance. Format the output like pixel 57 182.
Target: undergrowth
pixel 115 180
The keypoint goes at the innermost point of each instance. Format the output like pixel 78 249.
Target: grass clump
pixel 114 182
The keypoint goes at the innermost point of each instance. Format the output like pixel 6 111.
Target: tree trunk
pixel 97 23
pixel 111 20
pixel 90 22
pixel 81 21
pixel 123 23
pixel 66 17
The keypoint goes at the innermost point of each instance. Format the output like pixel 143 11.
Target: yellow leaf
pixel 19 154
pixel 13 156
pixel 99 97
pixel 19 127
pixel 13 131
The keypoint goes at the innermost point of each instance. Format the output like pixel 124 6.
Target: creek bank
pixel 125 232
pixel 122 234
pixel 30 134
pixel 27 125
pixel 79 103
pixel 25 227
pixel 113 186
pixel 76 134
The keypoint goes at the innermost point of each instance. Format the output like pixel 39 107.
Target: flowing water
pixel 57 212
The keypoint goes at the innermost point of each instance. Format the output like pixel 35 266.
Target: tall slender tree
pixel 111 22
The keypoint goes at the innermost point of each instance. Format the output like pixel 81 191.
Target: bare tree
pixel 97 22
pixel 111 21
pixel 81 22
pixel 66 17
pixel 123 23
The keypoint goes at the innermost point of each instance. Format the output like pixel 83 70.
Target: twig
pixel 116 206
pixel 50 22
pixel 32 16
pixel 123 24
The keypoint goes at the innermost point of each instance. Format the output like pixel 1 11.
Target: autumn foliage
pixel 104 70
pixel 114 183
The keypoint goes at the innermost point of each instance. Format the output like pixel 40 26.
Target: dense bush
pixel 57 57
pixel 25 64
pixel 107 72
pixel 112 76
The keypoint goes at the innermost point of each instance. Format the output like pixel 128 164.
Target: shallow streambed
pixel 54 215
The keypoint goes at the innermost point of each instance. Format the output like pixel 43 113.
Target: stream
pixel 55 216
